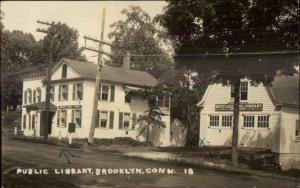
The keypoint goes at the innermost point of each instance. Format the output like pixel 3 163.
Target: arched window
pixel 25 97
pixel 38 94
pixel 29 96
pixel 34 96
pixel 64 71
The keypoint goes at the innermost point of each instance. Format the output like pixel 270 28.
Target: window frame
pixel 101 120
pixel 29 96
pixel 75 91
pixel 241 90
pixel 61 92
pixel 52 93
pixel 73 120
pixel 127 121
pixel 214 121
pixel 38 95
pixel 248 121
pixel 59 117
pixel 263 122
pixel 227 120
pixel 108 92
pixel 64 71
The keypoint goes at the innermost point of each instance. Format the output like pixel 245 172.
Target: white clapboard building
pixel 269 117
pixel 71 96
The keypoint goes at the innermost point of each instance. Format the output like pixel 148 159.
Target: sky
pixel 85 16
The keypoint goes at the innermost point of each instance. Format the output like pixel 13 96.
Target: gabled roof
pixel 285 90
pixel 114 74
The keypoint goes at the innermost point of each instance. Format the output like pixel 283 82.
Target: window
pixel 297 132
pixel 38 94
pixel 214 121
pixel 263 121
pixel 33 122
pixel 104 94
pixel 76 117
pixel 103 119
pixel 63 93
pixel 29 96
pixel 249 121
pixel 52 93
pixel 128 96
pixel 226 121
pixel 64 71
pixel 25 97
pixel 34 96
pixel 62 118
pixel 163 101
pixel 77 91
pixel 24 121
pixel 243 91
pixel 126 122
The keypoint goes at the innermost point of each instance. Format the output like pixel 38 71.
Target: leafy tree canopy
pixel 138 35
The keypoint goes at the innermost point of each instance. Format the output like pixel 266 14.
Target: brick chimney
pixel 126 62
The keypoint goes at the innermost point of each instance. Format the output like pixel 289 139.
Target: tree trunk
pixel 235 129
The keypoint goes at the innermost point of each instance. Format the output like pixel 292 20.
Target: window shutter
pixel 120 120
pixel 72 118
pixel 59 93
pixel 99 94
pixel 97 118
pixel 133 120
pixel 67 92
pixel 58 117
pixel 112 93
pixel 111 119
pixel 73 91
pixel 29 123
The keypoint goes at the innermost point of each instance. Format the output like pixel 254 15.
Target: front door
pixel 42 122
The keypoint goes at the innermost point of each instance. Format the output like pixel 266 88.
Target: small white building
pixel 71 95
pixel 269 117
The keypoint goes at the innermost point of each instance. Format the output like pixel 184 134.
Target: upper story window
pixel 51 93
pixel 63 93
pixel 243 91
pixel 106 93
pixel 38 94
pixel 77 91
pixel 25 97
pixel 64 71
pixel 29 96
pixel 34 96
pixel 297 132
pixel 163 101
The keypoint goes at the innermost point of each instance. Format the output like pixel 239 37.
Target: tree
pixel 153 115
pixel 138 35
pixel 213 30
pixel 65 43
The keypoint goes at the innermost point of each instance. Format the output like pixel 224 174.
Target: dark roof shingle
pixel 114 74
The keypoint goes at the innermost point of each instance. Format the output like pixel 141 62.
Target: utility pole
pixel 99 68
pixel 48 77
